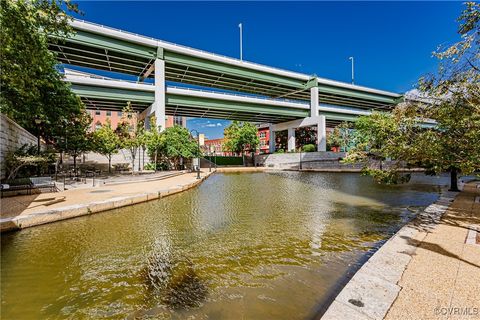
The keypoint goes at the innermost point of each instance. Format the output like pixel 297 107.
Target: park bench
pixel 43 183
pixel 16 185
pixel 121 167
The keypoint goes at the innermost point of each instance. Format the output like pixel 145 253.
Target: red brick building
pixel 100 117
pixel 214 145
pixel 264 137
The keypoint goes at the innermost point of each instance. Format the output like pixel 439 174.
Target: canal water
pixel 239 246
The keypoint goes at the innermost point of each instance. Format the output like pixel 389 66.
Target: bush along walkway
pixel 27 211
pixel 430 269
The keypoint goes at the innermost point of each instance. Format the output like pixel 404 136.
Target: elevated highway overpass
pixel 230 88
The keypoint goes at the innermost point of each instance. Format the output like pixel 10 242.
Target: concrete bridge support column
pixel 291 139
pixel 159 104
pixel 271 141
pixel 314 101
pixel 321 134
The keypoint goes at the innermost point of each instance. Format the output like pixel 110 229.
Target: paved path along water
pixel 30 210
pixel 429 270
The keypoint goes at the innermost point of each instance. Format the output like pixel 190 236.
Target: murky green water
pixel 252 246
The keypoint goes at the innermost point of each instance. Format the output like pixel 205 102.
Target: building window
pixel 177 121
pixel 98 125
pixel 262 134
pixel 119 113
pixel 109 113
pixel 98 112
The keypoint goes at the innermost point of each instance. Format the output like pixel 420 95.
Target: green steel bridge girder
pixel 112 44
pixel 113 94
pixel 344 92
pixel 219 67
pixel 234 106
pixel 125 95
pixel 90 39
pixel 339 116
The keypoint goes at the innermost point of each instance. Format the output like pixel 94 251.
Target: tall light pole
pixel 198 138
pixel 353 69
pixel 241 41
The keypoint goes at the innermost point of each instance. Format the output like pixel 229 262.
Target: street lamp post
pixel 353 69
pixel 198 141
pixel 241 41
pixel 300 160
pixel 38 121
pixel 210 164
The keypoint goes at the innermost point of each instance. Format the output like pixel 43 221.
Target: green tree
pixel 176 143
pixel 106 142
pixel 74 138
pixel 154 141
pixel 342 136
pixel 130 132
pixel 30 85
pixel 241 137
pixel 25 156
pixel 450 97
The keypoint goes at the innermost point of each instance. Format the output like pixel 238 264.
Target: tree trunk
pixel 453 180
pixel 109 164
pixel 133 153
pixel 156 152
pixel 75 165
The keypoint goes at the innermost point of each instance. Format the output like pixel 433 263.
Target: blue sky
pixel 392 42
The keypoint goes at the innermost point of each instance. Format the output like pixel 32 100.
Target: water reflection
pixel 260 245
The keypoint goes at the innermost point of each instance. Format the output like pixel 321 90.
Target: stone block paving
pixel 429 270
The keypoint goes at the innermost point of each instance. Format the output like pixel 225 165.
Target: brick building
pixel 100 117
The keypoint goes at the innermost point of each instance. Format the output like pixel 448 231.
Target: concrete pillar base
pixel 291 139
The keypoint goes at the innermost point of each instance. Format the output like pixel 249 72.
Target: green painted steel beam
pixel 313 82
pixel 355 94
pixel 113 94
pixel 199 103
pixel 339 116
pixel 109 43
pixel 234 106
pixel 219 67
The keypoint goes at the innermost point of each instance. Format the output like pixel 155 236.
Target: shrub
pixel 226 161
pixel 309 148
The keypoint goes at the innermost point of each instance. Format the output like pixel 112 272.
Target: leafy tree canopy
pixel 451 98
pixel 106 142
pixel 71 136
pixel 177 143
pixel 31 87
pixel 241 137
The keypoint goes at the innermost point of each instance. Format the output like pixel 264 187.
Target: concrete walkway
pixel 442 281
pixel 430 269
pixel 25 211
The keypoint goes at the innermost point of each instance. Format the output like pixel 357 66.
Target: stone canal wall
pixel 310 160
pixel 373 289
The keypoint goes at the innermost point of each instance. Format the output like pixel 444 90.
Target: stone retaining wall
pixel 12 137
pixel 310 160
